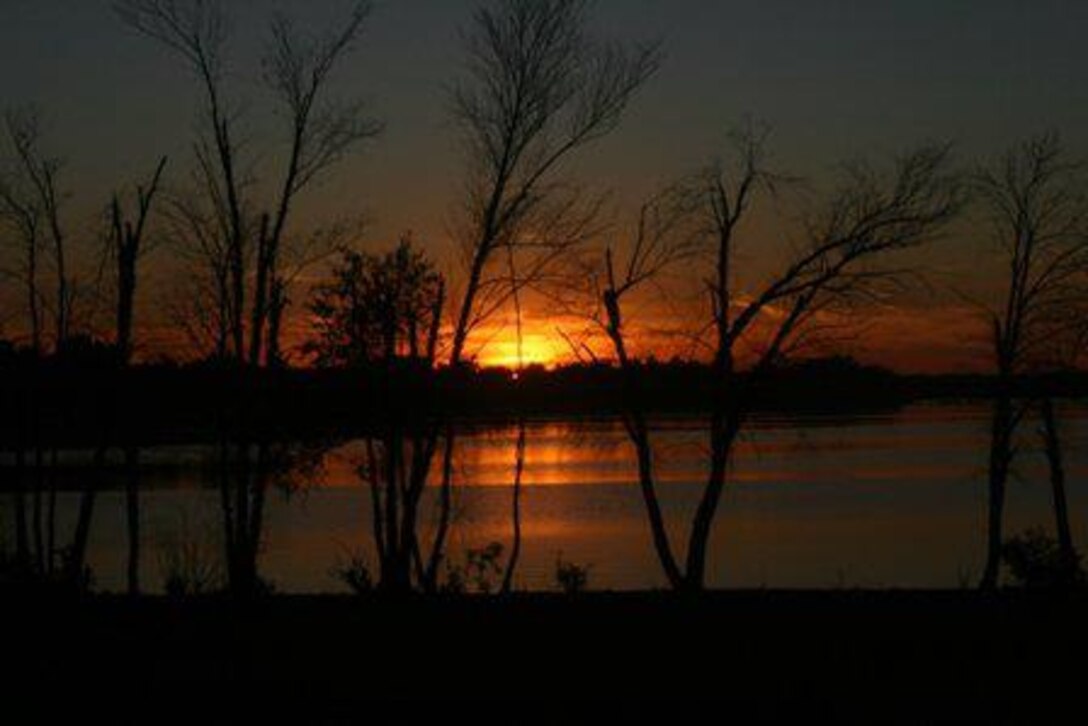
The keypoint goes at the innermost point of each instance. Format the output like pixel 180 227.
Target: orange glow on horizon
pixel 538 348
pixel 907 339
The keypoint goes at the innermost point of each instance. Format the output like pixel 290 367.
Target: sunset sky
pixel 835 79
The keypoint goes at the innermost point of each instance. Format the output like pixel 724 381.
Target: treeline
pixel 68 399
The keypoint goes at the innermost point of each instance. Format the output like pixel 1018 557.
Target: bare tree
pixel 1034 199
pixel 537 90
pixel 33 201
pixel 241 246
pixel 868 219
pixel 199 32
pixel 662 240
pixel 1050 434
pixel 522 439
pixel 127 244
pixel 320 132
pixel 24 218
pixel 126 247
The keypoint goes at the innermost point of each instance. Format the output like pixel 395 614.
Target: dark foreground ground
pixel 859 657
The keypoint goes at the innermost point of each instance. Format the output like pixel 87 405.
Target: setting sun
pixel 538 348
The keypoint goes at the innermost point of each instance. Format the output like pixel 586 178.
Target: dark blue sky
pixel 835 78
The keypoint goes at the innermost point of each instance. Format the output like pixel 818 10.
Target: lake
pixel 890 500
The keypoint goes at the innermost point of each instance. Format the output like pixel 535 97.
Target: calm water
pixel 893 500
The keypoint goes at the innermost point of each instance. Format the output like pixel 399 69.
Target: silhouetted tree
pixel 385 312
pixel 870 217
pixel 537 90
pixel 1034 199
pixel 520 446
pixel 236 243
pixel 1052 444
pixel 663 239
pixel 22 216
pixel 19 213
pixel 241 247
pixel 376 308
pixel 32 201
pixel 127 243
pixel 117 426
pixel 321 134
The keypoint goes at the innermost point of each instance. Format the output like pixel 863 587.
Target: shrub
pixel 571 577
pixel 1035 560
pixel 481 570
pixel 355 574
pixel 188 569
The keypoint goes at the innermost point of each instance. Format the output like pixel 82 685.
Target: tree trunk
pixel 22 544
pixel 126 295
pixel 62 286
pixel 1053 443
pixel 519 469
pixel 51 516
pixel 132 511
pixel 78 554
pixel 400 539
pixel 39 479
pixel 723 432
pixel 644 454
pixel 1000 460
pixel 639 434
pixel 226 508
pixel 256 518
pixel 32 299
pixel 464 319
pixel 273 354
pixel 424 445
pixel 260 295
pixel 444 514
pixel 243 576
pixel 238 299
